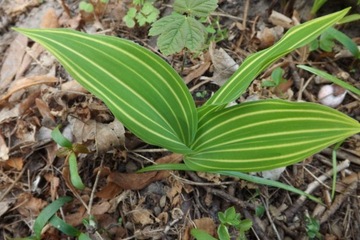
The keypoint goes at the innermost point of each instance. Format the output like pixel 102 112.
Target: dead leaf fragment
pixel 117 182
pixel 20 6
pixel 268 36
pixel 12 61
pixel 15 162
pixel 279 19
pixel 4 150
pixel 29 206
pixel 26 82
pixel 141 216
pixel 50 19
pixel 106 136
pixel 224 65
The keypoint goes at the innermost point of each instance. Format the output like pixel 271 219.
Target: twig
pixel 94 187
pixel 258 231
pixel 299 83
pixel 222 194
pixel 290 212
pixel 266 204
pixel 338 201
pixel 3 195
pixel 342 155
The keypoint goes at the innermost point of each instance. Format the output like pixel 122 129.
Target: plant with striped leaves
pixel 151 100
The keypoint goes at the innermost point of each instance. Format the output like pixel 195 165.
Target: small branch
pixel 290 212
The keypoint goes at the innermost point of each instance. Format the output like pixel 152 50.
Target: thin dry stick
pixel 2 196
pixel 338 201
pixel 312 186
pixel 94 188
pixel 270 219
pixel 222 194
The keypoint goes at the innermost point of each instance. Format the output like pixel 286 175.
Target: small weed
pixel 326 42
pixel 183 28
pixel 143 12
pixel 312 228
pixel 228 219
pixel 70 151
pixel 276 78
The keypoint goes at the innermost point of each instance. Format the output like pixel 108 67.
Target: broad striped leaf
pixel 296 37
pixel 263 135
pixel 140 89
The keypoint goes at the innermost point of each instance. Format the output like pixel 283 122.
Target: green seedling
pixel 70 151
pixel 183 28
pixel 276 78
pixel 228 219
pixel 326 42
pixel 142 13
pixel 48 216
pixel 312 228
pixel 86 7
pixel 215 32
pixel 150 98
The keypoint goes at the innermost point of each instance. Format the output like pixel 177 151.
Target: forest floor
pixel 36 95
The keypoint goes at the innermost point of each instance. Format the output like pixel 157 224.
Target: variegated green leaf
pixel 141 89
pixel 296 37
pixel 263 135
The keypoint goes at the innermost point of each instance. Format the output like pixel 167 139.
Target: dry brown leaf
pixel 20 6
pixel 15 162
pixel 199 71
pixel 75 219
pixel 100 208
pixel 73 86
pixel 137 181
pixel 5 206
pixel 109 191
pixel 50 19
pixel 29 206
pixel 279 19
pixel 268 36
pixel 48 119
pixel 6 114
pixel 106 136
pixel 25 83
pixel 206 224
pixel 54 184
pixel 117 182
pixel 4 150
pixel 224 66
pixel 141 216
pixel 12 61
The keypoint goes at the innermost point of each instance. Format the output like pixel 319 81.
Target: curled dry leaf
pixel 15 162
pixel 47 118
pixel 117 182
pixel 106 136
pixel 5 206
pixel 268 36
pixel 26 82
pixel 141 216
pixel 29 206
pixel 18 7
pixel 4 150
pixel 224 65
pixel 12 61
pixel 279 19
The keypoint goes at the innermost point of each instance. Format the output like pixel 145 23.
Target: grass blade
pixel 47 213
